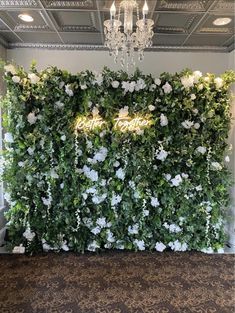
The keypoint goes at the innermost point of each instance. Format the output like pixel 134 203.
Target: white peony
pixel 201 149
pixel 219 82
pixel 10 69
pixel 187 81
pixel 151 107
pixel 69 90
pixel 167 88
pixel 161 155
pixel 34 79
pixel 157 81
pixel 115 84
pixel 160 246
pixel 16 79
pixel 187 124
pixel 163 120
pixel 32 118
pixel 120 174
pixel 154 202
pixel 8 138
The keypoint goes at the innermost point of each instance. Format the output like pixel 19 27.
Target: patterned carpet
pixel 117 282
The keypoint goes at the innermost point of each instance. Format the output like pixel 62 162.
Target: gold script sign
pixel 88 124
pixel 127 123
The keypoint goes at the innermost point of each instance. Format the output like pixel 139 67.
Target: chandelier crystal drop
pixel 119 36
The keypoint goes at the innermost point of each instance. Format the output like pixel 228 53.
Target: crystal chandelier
pixel 125 39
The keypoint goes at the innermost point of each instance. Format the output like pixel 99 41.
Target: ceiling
pixel 179 24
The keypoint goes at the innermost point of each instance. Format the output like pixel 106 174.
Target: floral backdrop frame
pixel 110 160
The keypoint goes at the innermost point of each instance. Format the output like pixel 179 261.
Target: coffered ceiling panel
pixel 178 24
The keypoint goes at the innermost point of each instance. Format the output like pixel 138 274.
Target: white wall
pixel 154 62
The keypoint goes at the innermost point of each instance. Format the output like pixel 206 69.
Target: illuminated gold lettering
pixel 88 124
pixel 131 124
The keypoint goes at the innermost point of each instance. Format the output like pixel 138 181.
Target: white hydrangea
pixel 16 79
pixel 120 174
pixel 187 124
pixel 68 90
pixel 133 230
pixel 140 244
pixel 201 149
pixel 96 230
pixel 197 75
pixel 154 202
pixel 173 228
pixel 187 81
pixel 34 79
pixel 101 155
pixel 8 138
pixel 46 201
pixel 99 199
pixel 110 236
pixel 115 84
pixel 89 173
pixel 160 246
pixel 178 246
pixel 176 181
pixel 140 84
pixel 115 199
pixel 10 69
pixel 163 120
pixel 161 155
pixel 93 246
pixel 28 234
pixel 167 88
pixel 216 166
pixel 32 118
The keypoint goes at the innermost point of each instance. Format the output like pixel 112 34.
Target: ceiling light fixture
pixel 26 17
pixel 127 41
pixel 222 21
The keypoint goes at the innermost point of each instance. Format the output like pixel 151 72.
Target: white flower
pixel 196 125
pixel 123 112
pixel 16 79
pixel 140 84
pixel 21 164
pixel 198 188
pixel 69 90
pixel 178 246
pixel 201 149
pixel 195 111
pixel 10 69
pixel 173 228
pixel 120 174
pixel 145 212
pixel 160 246
pixel 62 186
pixel 98 79
pixel 139 131
pixel 151 107
pixel 63 137
pixel 59 104
pixel 216 166
pixel 167 176
pixel 193 96
pixel 30 151
pixel 163 120
pixel 110 236
pixel 61 84
pixel 176 181
pixel 96 230
pixel 8 138
pixel 187 124
pixel 133 230
pixel 200 87
pixel 115 84
pixel 28 234
pixel 119 245
pixel 99 199
pixel 207 250
pixel 197 75
pixel 187 81
pixel 161 155
pixel 152 87
pixel 89 173
pixel 219 82
pixel 83 86
pixel 167 88
pixel 154 202
pixel 32 118
pixel 140 244
pixel 132 86
pixel 34 79
pixel 101 155
pixel 115 199
pixel 116 164
pixel 227 159
pixel 93 246
pixel 157 81
pixel 46 201
pixel 53 173
pixel 64 246
pixel 19 249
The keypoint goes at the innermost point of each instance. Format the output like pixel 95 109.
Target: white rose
pixel 115 84
pixel 160 246
pixel 16 79
pixel 192 96
pixel 8 138
pixel 219 82
pixel 157 81
pixel 34 79
pixel 201 149
pixel 163 120
pixel 187 81
pixel 197 75
pixel 187 124
pixel 10 69
pixel 196 125
pixel 167 88
pixel 151 107
pixel 32 118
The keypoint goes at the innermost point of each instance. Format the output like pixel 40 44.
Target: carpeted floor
pixel 117 282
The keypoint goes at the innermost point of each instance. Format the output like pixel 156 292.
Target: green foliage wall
pixel 155 187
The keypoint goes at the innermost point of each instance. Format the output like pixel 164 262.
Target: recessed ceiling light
pixel 222 21
pixel 26 17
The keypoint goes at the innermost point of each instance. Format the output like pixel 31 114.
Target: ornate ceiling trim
pixel 69 4
pixel 18 3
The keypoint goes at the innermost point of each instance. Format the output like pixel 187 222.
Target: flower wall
pixel 111 161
